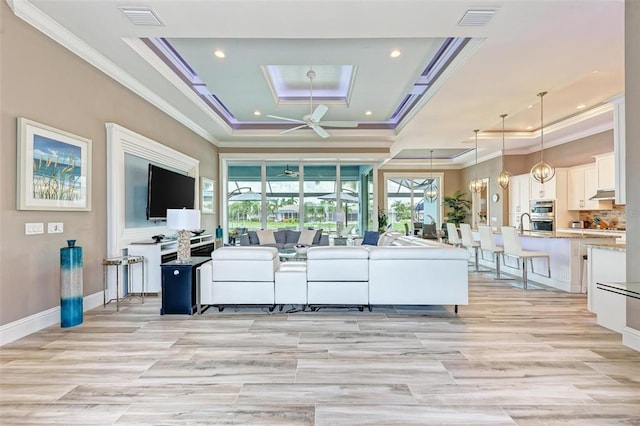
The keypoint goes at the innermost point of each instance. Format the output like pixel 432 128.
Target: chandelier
pixel 476 185
pixel 542 172
pixel 431 190
pixel 504 177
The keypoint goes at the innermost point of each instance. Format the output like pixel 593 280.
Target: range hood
pixel 604 194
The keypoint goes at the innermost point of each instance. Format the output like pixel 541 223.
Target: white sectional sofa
pixel 338 275
pixel 404 271
pixel 239 276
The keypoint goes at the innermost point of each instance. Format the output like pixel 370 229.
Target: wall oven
pixel 543 215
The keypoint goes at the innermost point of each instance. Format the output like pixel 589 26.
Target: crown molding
pixel 33 16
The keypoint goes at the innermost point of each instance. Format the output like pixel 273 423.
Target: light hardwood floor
pixel 510 357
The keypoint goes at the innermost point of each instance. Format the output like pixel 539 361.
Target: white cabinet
pixel 518 199
pixel 605 164
pixel 157 253
pixel 545 191
pixel 582 185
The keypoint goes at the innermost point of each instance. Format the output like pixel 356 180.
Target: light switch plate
pixel 33 228
pixel 55 228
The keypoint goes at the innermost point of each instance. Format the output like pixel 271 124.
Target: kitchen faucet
pixel 522 222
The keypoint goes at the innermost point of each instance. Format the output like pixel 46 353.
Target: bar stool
pixel 487 243
pixel 452 235
pixel 120 262
pixel 513 248
pixel 468 242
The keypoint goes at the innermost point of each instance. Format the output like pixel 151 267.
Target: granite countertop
pixel 593 231
pixel 560 234
pixel 614 247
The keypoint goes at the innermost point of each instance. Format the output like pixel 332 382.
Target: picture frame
pixel 207 195
pixel 53 170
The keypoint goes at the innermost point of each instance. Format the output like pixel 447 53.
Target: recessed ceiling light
pixel 368 112
pixel 395 53
pixel 529 127
pixel 219 53
pixel 256 112
pixel 581 106
pixel 530 106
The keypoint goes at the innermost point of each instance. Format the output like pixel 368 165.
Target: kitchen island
pixel 567 253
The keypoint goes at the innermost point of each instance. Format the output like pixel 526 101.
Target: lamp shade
pixel 183 219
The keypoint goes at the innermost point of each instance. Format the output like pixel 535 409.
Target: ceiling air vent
pixel 477 18
pixel 141 15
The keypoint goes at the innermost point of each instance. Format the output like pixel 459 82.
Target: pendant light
pixel 476 185
pixel 431 190
pixel 542 172
pixel 504 177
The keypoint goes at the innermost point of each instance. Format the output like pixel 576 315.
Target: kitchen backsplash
pixel 615 218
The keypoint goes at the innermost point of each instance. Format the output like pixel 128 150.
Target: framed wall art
pixel 54 168
pixel 207 201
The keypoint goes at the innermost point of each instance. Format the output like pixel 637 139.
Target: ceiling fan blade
pixel 318 113
pixel 350 124
pixel 293 120
pixel 320 131
pixel 293 128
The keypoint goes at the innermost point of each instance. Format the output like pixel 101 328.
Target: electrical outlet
pixel 33 228
pixel 55 228
pixel 494 219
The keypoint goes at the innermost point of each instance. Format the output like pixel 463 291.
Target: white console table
pixel 162 252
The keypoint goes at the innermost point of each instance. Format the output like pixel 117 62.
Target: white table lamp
pixel 183 221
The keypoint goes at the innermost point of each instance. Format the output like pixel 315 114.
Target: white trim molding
pixel 24 326
pixel 631 338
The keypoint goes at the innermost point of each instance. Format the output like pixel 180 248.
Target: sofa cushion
pixel 253 237
pixel 244 253
pixel 370 238
pixel 414 252
pixel 291 236
pixel 280 236
pixel 338 252
pixel 266 236
pixel 307 236
pixel 316 238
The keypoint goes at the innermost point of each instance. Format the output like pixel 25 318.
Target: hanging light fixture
pixel 542 172
pixel 504 177
pixel 476 185
pixel 431 190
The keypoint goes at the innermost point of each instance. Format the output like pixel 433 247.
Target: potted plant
pixel 458 205
pixel 383 220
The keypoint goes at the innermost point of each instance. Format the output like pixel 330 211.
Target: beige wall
pixel 43 81
pixel 632 105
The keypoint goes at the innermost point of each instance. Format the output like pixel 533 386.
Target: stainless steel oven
pixel 543 215
pixel 546 225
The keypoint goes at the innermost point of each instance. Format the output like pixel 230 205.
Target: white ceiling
pixel 574 50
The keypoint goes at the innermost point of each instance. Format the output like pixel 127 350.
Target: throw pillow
pixel 265 236
pixel 306 237
pixel 316 238
pixel 253 237
pixel 280 236
pixel 292 236
pixel 370 238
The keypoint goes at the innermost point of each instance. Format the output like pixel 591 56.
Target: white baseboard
pixel 631 338
pixel 36 322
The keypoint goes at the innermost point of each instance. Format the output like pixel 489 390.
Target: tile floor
pixel 510 357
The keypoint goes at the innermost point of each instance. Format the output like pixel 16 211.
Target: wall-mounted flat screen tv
pixel 167 189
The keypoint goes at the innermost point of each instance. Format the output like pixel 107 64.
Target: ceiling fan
pixel 313 119
pixel 288 172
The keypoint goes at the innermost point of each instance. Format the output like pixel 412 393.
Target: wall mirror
pixel 480 205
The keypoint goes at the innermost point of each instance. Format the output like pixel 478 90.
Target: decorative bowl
pixel 302 248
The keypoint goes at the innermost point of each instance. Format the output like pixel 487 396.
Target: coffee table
pixel 290 254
